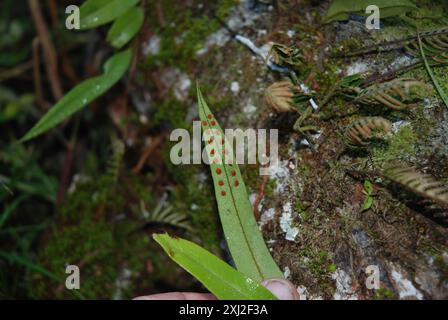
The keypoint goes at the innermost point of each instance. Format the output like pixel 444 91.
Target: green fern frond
pixel 164 214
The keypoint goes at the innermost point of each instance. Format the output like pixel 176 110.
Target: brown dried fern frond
pixel 435 46
pixel 362 130
pixel 279 96
pixel 396 94
pixel 419 183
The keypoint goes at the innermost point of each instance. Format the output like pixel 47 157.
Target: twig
pixel 149 150
pixel 16 71
pixel 37 76
pixel 51 59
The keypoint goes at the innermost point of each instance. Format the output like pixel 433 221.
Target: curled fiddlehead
pixel 397 94
pixel 419 183
pixel 361 131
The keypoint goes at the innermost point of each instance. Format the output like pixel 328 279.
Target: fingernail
pixel 282 289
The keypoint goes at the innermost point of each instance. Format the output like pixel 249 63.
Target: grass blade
pixel 431 74
pixel 217 276
pixel 243 237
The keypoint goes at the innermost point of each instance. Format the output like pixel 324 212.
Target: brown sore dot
pixel 204 123
pixel 236 183
pixel 233 173
pixel 212 152
pixel 223 193
pixel 218 171
pixel 221 183
pixel 209 116
pixel 213 123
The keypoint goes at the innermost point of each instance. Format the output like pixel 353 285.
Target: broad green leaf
pixel 125 27
pixel 95 13
pixel 83 94
pixel 243 237
pixel 341 9
pixel 217 276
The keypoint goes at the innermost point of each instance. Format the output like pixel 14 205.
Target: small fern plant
pixel 252 258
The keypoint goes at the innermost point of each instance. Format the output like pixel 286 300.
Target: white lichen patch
pixel 286 272
pixel 396 126
pixel 281 174
pixel 303 292
pixel 357 67
pixel 152 47
pixel 249 108
pixel 235 87
pixel 179 81
pixel 266 216
pixel 240 17
pixel 344 289
pixel 287 223
pixel 405 288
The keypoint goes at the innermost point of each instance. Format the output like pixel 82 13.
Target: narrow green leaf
pixel 368 187
pixel 125 27
pixel 95 13
pixel 431 74
pixel 341 9
pixel 10 209
pixel 217 276
pixel 83 94
pixel 245 241
pixel 14 258
pixel 368 201
pixel 33 267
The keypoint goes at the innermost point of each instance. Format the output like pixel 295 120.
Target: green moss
pixel 93 254
pixel 383 294
pixel 320 265
pixel 185 31
pixel 300 209
pixel 399 146
pixel 171 112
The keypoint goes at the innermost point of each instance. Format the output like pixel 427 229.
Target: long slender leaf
pixel 10 209
pixel 243 237
pixel 125 27
pixel 33 267
pixel 95 13
pixel 217 276
pixel 431 74
pixel 341 9
pixel 14 258
pixel 83 94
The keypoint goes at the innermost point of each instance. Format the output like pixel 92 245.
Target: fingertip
pixel 281 288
